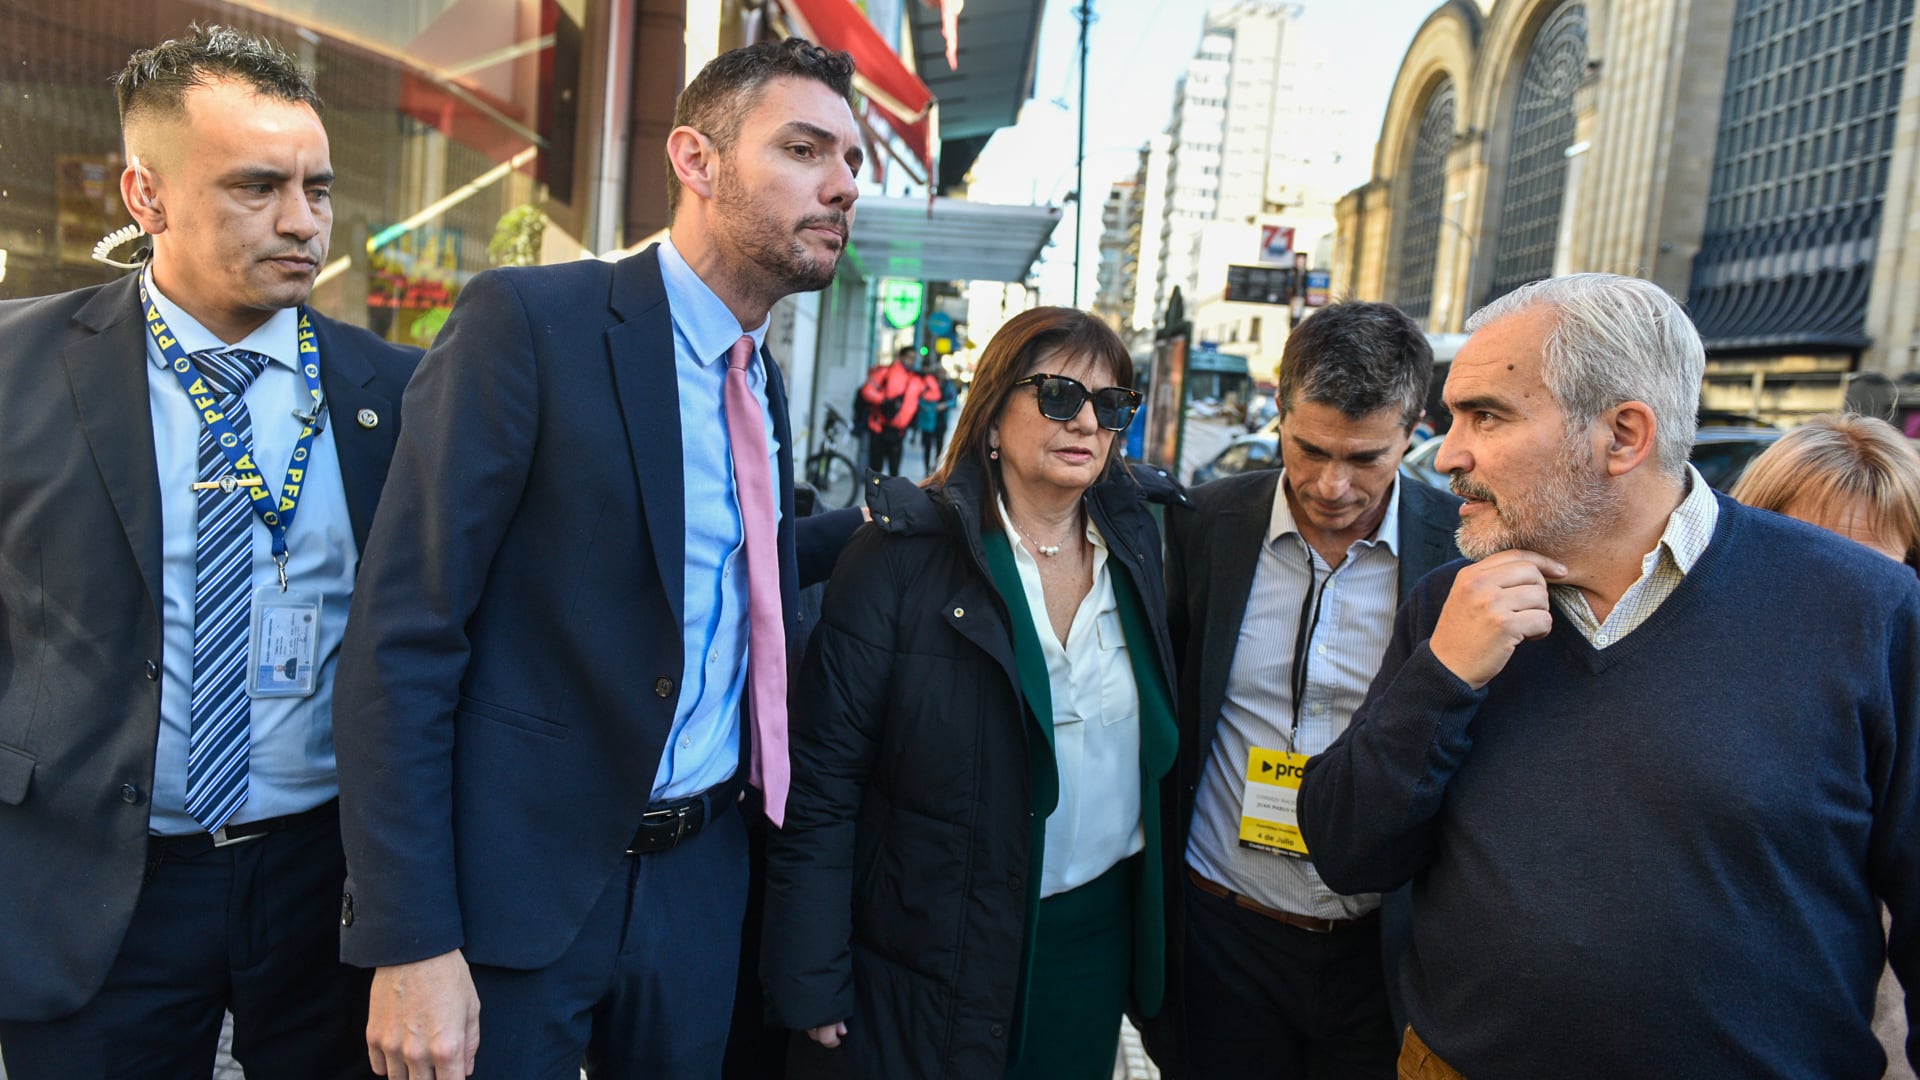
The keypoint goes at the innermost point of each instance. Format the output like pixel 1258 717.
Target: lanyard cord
pixel 1303 632
pixel 278 518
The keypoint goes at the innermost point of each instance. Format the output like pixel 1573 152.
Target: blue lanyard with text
pixel 277 518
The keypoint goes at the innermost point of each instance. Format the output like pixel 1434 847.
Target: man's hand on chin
pixel 423 1020
pixel 1495 604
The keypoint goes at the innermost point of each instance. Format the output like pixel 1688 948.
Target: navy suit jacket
pixel 80 633
pixel 512 661
pixel 1213 552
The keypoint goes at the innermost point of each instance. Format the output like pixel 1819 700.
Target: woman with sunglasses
pixel 971 879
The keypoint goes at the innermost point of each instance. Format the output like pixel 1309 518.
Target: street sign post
pixel 1167 393
pixel 1276 243
pixel 1319 287
pixel 900 301
pixel 1260 284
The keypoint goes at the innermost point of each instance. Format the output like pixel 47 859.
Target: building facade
pixel 1117 272
pixel 1756 158
pixel 1144 243
pixel 1255 142
pixel 1236 119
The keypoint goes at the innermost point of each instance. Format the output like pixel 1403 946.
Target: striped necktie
pixel 222 593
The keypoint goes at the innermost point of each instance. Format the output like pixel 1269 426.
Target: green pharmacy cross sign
pixel 900 301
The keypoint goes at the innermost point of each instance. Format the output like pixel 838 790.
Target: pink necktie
pixel 767 768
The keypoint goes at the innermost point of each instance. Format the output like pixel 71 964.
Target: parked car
pixel 1721 453
pixel 1245 454
pixel 1418 464
pixel 1261 412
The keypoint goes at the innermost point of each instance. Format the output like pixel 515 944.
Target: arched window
pixel 1542 128
pixel 1426 187
pixel 1799 173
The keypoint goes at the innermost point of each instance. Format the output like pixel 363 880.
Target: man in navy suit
pixel 544 720
pixel 142 892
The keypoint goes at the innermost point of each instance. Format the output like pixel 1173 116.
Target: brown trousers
pixel 1419 1062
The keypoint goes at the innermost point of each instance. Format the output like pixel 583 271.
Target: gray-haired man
pixel 1652 762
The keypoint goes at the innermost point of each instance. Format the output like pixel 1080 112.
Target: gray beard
pixel 1569 507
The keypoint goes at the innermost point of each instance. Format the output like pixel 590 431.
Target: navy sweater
pixel 1664 858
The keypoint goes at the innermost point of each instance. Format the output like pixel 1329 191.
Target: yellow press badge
pixel 1269 815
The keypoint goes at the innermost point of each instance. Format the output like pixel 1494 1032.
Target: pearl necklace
pixel 1049 550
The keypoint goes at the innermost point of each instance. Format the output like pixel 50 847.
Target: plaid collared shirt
pixel 1688 532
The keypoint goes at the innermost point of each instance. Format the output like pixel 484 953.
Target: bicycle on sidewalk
pixel 829 472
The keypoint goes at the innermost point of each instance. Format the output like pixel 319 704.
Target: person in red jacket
pixel 892 394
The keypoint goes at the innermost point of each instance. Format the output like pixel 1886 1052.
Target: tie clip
pixel 227 483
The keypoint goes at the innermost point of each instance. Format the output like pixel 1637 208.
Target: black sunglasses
pixel 1061 398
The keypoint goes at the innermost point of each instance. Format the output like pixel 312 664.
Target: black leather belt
pixel 250 830
pixel 668 824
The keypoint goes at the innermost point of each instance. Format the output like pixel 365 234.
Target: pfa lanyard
pixel 277 518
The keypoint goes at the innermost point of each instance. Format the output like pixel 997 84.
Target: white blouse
pixel 1096 728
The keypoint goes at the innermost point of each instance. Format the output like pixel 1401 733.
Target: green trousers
pixel 1082 961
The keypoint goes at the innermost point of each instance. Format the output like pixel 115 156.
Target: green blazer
pixel 1159 743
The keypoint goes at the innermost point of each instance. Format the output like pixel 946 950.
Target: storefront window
pixel 452 125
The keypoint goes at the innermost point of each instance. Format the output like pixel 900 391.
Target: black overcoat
pixel 897 893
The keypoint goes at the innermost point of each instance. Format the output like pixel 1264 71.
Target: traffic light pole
pixel 1085 14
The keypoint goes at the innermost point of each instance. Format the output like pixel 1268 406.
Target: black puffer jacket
pixel 896 893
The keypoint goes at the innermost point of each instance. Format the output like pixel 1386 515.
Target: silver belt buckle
pixel 678 815
pixel 221 839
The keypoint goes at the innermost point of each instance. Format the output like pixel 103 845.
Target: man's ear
pixel 143 202
pixel 695 160
pixel 1630 430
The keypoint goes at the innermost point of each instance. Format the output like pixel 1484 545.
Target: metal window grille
pixel 1800 173
pixel 1426 187
pixel 1542 129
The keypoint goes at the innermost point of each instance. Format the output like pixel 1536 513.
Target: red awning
pixel 879 73
pixel 471 119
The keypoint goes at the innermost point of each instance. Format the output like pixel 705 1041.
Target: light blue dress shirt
pixel 290 746
pixel 1357 602
pixel 703 747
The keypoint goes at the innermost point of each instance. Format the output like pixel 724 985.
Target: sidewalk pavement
pixel 1132 1063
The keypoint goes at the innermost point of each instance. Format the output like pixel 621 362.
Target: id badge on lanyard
pixel 1270 806
pixel 1269 809
pixel 283 642
pixel 283 647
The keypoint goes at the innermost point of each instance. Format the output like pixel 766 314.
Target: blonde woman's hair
pixel 1839 460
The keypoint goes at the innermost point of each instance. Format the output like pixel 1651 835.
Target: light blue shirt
pixel 290 747
pixel 1356 602
pixel 703 747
